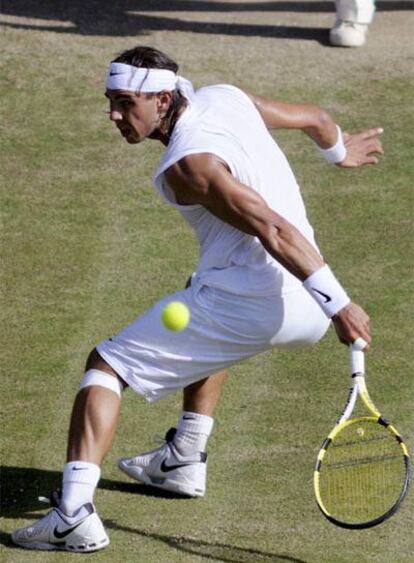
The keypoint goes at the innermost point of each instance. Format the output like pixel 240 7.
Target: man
pixel 352 20
pixel 261 281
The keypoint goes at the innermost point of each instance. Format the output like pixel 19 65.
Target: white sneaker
pixel 348 34
pixel 83 532
pixel 165 468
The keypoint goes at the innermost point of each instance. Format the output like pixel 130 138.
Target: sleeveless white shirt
pixel 222 120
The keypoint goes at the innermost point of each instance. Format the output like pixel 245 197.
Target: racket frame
pixel 359 388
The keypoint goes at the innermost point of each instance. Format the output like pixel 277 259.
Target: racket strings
pixel 362 473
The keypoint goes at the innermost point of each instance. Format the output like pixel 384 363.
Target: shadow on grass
pixel 21 487
pixel 137 25
pixel 63 10
pixel 127 17
pixel 213 551
pixel 207 550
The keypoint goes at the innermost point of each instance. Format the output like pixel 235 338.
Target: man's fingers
pixel 367 144
pixel 370 160
pixel 374 142
pixel 374 146
pixel 375 132
pixel 367 135
pixel 356 162
pixel 351 323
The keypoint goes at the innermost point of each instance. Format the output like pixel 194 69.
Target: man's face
pixel 135 115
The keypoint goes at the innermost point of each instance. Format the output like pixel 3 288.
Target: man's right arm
pixel 206 181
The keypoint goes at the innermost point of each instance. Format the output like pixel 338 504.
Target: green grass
pixel 86 246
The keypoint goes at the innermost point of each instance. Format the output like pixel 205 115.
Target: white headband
pixel 133 79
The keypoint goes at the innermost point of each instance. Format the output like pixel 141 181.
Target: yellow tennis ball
pixel 176 316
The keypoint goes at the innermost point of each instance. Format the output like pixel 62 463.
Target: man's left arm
pixel 345 150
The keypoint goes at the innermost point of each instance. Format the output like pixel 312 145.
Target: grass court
pixel 87 245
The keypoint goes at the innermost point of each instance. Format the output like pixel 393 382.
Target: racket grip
pixel 357 356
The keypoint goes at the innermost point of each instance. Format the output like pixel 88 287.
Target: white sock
pixel 193 432
pixel 80 479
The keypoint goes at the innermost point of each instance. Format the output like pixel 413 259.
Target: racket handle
pixel 357 356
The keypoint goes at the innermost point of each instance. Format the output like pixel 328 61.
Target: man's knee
pixel 95 364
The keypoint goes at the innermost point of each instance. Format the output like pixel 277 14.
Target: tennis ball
pixel 176 316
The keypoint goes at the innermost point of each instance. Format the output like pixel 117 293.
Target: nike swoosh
pixel 60 535
pixel 79 468
pixel 165 468
pixel 188 418
pixel 327 297
pixel 115 73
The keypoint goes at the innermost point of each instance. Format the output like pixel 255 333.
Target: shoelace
pixel 169 437
pixel 53 500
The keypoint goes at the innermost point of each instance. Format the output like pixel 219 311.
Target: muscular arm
pixel 362 147
pixel 204 179
pixel 311 119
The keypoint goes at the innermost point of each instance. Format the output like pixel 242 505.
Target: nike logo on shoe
pixel 165 468
pixel 63 534
pixel 327 297
pixel 79 468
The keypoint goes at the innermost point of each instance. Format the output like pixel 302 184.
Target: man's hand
pixel 351 323
pixel 362 147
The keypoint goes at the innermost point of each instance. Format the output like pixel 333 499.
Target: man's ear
pixel 164 100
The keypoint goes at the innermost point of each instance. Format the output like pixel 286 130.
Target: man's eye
pixel 119 104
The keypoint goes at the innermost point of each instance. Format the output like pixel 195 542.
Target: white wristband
pixel 337 153
pixel 327 291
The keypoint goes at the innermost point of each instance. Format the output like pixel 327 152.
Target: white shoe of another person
pixel 348 34
pixel 83 532
pixel 352 20
pixel 165 468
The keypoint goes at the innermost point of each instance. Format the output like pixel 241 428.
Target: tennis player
pixel 261 281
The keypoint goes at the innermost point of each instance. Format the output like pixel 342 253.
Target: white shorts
pixel 224 329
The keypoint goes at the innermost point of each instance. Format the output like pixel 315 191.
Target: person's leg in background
pixel 353 18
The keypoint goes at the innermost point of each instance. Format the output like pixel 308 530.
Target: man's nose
pixel 115 115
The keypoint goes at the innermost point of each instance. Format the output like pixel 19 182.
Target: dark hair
pixel 148 57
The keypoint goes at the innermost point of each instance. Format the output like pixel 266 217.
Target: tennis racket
pixel 362 471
